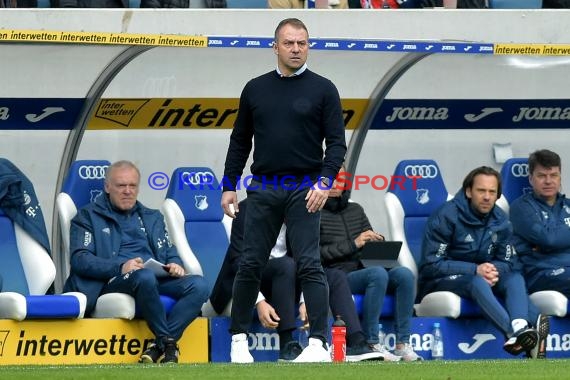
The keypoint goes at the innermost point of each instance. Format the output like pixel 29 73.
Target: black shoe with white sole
pixel 543 329
pixel 521 341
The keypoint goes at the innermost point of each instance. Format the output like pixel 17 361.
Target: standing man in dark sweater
pixel 288 112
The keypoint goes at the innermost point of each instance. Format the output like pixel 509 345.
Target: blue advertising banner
pixel 39 113
pixel 472 114
pixel 463 338
pixel 391 46
pixel 55 113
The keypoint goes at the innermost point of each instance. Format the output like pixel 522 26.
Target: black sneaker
pixel 362 352
pixel 521 341
pixel 290 352
pixel 151 355
pixel 170 351
pixel 543 328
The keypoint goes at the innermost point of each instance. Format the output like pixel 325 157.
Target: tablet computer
pixel 381 253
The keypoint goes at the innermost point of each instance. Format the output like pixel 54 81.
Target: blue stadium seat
pixel 85 181
pixel 388 305
pixel 27 269
pixel 408 210
pixel 514 177
pixel 83 184
pixel 195 221
pixel 515 4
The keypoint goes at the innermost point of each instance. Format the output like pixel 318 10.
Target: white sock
pixel 239 337
pixel 519 324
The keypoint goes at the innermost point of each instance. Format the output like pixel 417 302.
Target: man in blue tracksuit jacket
pixel 541 224
pixel 109 242
pixel 467 250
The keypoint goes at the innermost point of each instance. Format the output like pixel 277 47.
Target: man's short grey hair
pixel 119 165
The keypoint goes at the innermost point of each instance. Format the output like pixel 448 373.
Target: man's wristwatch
pixel 326 181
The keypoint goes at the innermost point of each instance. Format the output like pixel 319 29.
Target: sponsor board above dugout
pixel 189 41
pixel 220 113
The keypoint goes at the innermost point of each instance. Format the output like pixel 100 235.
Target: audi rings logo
pixel 197 178
pixel 424 171
pixel 519 170
pixel 92 172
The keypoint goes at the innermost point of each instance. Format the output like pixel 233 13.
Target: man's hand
pixel 267 315
pixel 367 236
pixel 132 264
pixel 230 198
pixel 489 272
pixel 317 197
pixel 303 315
pixel 174 270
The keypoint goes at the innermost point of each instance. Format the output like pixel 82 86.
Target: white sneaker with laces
pixel 314 353
pixel 407 353
pixel 240 351
pixel 386 355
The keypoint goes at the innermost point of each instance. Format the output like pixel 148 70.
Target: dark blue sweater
pixel 287 118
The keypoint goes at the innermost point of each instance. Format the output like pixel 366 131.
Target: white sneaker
pixel 407 353
pixel 387 356
pixel 240 351
pixel 314 353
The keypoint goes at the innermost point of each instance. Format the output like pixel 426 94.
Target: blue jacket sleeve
pixel 435 248
pixel 85 260
pixel 503 254
pixel 164 250
pixel 504 258
pixel 546 235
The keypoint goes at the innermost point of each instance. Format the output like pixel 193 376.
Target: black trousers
pixel 269 205
pixel 278 284
pixel 341 301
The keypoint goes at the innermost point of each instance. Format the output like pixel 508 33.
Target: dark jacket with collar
pixel 542 234
pixel 95 240
pixel 457 240
pixel 341 223
pixel 18 200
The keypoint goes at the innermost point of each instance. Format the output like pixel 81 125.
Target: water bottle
pixel 381 335
pixel 437 347
pixel 338 351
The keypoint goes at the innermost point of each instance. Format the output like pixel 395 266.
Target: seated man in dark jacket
pixel 467 249
pixel 541 226
pixel 277 297
pixel 111 239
